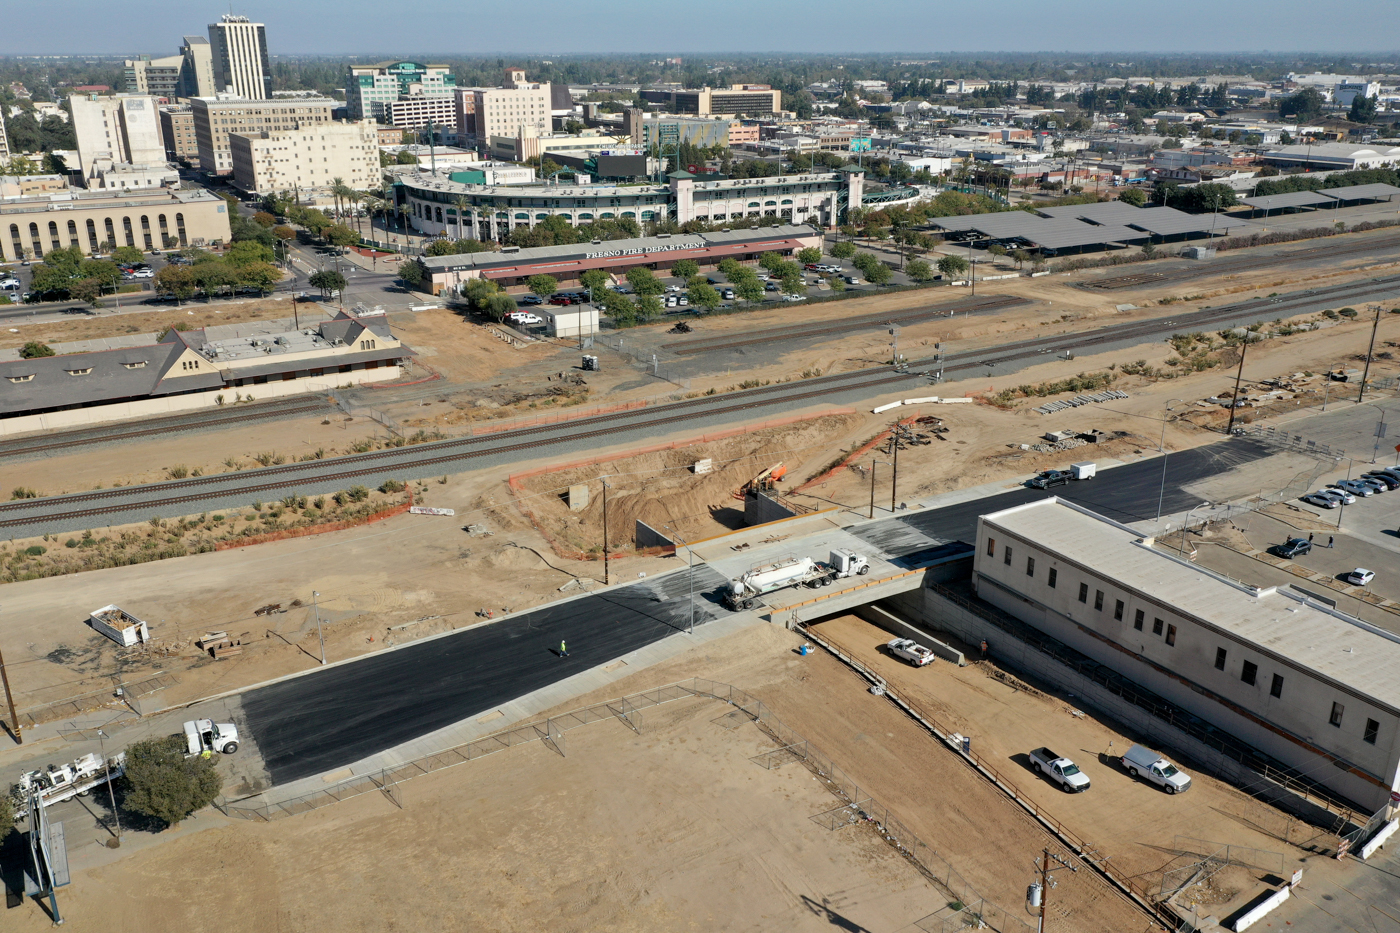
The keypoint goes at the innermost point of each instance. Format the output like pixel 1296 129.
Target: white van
pixel 1145 763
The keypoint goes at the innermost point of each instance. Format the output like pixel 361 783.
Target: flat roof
pixel 1272 202
pixel 611 249
pixel 1374 192
pixel 1161 221
pixel 1323 641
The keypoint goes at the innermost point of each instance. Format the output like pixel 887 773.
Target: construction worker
pixel 984 649
pixel 563 650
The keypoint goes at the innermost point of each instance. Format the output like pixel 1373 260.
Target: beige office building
pixel 216 118
pixel 307 160
pixel 517 108
pixel 188 74
pixel 751 99
pixel 96 221
pixel 177 133
pixel 123 130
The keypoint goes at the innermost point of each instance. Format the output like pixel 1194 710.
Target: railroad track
pixel 210 418
pixel 752 338
pixel 1232 265
pixel 329 474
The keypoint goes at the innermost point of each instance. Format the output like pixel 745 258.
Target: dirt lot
pixel 670 830
pixel 1006 718
pixel 659 488
pixel 193 314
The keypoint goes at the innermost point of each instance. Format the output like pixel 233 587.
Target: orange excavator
pixel 768 479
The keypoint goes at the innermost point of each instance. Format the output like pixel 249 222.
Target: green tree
pixel 596 280
pixel 1305 106
pixel 478 292
pixel 1363 109
pixel 685 269
pixel 919 270
pixel 1134 196
pixel 284 233
pixel 499 305
pixel 952 266
pixel 327 280
pixel 792 282
pixel 264 219
pixel 89 290
pixel 213 275
pixel 703 296
pixel 246 251
pixel 340 235
pixel 771 261
pixel 749 288
pixel 543 285
pixel 105 272
pixel 406 158
pixel 729 267
pixel 643 282
pixel 648 307
pixel 411 273
pixel 809 254
pixel 128 254
pixel 177 281
pixel 616 306
pixel 260 275
pixel 34 349
pixel 843 250
pixel 163 783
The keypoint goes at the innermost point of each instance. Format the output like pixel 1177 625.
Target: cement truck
pixel 793 571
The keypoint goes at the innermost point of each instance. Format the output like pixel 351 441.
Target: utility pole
pixel 9 698
pixel 1235 399
pixel 1044 888
pixel 894 475
pixel 872 494
pixel 605 532
pixel 1361 393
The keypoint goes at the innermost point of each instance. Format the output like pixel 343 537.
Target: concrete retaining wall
pixel 931 609
pixel 761 508
pixel 893 624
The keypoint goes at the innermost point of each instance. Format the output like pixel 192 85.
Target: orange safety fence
pixel 513 482
pixel 854 456
pixel 370 519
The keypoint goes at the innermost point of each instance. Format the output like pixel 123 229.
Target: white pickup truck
pixel 911 651
pixel 1145 763
pixel 1060 770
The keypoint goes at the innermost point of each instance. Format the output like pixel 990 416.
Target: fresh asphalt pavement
pixel 329 718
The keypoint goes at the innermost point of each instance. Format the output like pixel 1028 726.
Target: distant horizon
pixel 326 27
pixel 932 56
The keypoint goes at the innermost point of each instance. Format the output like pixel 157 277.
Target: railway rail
pixel 1233 265
pixel 207 418
pixel 911 316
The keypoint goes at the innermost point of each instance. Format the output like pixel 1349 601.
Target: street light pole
pixel 1365 373
pixel 315 597
pixel 9 698
pixel 605 532
pixel 111 794
pixel 894 467
pixel 1161 445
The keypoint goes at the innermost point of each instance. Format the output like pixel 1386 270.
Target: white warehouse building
pixel 1315 688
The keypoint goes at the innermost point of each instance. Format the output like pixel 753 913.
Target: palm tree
pixel 338 192
pixel 354 197
pixel 460 203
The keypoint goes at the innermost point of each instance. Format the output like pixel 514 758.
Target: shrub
pixel 36 550
pixel 391 485
pixel 180 471
pixel 34 349
pixel 357 493
pixel 23 492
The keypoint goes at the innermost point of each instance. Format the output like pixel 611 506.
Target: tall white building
pixel 216 118
pixel 4 140
pixel 370 90
pixel 239 51
pixel 307 160
pixel 119 130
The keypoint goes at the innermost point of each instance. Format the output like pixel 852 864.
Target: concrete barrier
pixel 1258 911
pixel 895 625
pixel 1378 840
pixel 882 408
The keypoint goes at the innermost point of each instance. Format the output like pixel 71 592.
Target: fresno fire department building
pixel 513 265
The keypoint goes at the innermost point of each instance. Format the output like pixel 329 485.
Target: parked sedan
pixel 1321 501
pixel 530 300
pixel 1361 576
pixel 1356 487
pixel 1341 495
pixel 1377 484
pixel 1389 479
pixel 1293 547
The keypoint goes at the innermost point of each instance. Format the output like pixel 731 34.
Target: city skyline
pixel 352 27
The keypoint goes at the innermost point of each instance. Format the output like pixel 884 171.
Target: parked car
pixel 1361 576
pixel 1293 547
pixel 727 294
pixel 1356 487
pixel 1321 501
pixel 525 317
pixel 1389 479
pixel 771 287
pixel 794 298
pixel 143 274
pixel 530 300
pixel 1049 478
pixel 853 280
pixel 1143 762
pixel 9 283
pixel 1341 495
pixel 1374 483
pixel 813 267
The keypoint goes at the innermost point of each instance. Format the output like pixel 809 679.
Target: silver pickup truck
pixel 1059 769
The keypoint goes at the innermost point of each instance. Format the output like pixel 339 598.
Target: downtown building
pixel 306 161
pixel 97 221
pixel 371 90
pixel 188 74
pixel 238 49
pixel 218 118
pixel 516 108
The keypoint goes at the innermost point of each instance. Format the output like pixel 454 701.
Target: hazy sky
pixel 544 27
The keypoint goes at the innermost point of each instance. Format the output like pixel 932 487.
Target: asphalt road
pixel 328 719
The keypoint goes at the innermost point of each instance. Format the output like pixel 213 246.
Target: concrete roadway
pixel 333 717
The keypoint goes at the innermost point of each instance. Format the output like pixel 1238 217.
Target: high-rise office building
pixel 239 51
pixel 4 139
pixel 517 108
pixel 215 118
pixel 197 73
pixel 123 130
pixel 371 89
pixel 188 74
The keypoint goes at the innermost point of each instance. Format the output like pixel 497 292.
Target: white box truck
pixel 1145 763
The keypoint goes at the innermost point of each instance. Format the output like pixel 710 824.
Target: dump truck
pixel 793 571
pixel 203 736
pixel 57 783
pixel 1059 769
